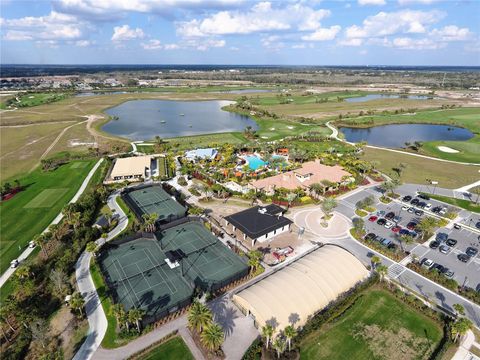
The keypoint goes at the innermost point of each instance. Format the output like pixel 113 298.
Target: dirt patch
pixel 69 330
pixel 390 345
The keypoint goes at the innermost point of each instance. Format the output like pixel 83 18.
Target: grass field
pixel 32 99
pixel 464 204
pixel 418 169
pixel 172 349
pixel 29 212
pixel 377 326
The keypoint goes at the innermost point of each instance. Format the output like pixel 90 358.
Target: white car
pixel 14 264
pixel 443 211
pixel 428 206
pixel 427 263
pixel 388 224
pixel 405 207
pixel 31 244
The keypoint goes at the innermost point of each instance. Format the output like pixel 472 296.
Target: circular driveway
pixel 311 220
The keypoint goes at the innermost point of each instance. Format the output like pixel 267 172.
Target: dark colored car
pixel 390 215
pixel 477 225
pixel 471 251
pixel 436 209
pixel 438 267
pixel 411 225
pixel 422 204
pixel 392 246
pixel 457 226
pixel 419 212
pixel 414 201
pixel 424 197
pixel 404 232
pixel 441 237
pixel 381 221
pixel 407 198
pixel 434 244
pixel 370 236
pixel 451 242
pixel 463 257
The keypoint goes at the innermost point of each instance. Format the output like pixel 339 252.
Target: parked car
pixel 405 207
pixel 438 267
pixel 421 204
pixel 14 263
pixel 434 244
pixel 386 242
pixel 428 206
pixel 444 249
pixel 449 274
pixel 380 213
pixel 407 198
pixel 373 218
pixel 397 219
pixel 411 210
pixel 379 239
pixel 388 224
pixel 414 201
pixel 381 221
pixel 396 229
pixel 441 237
pixel 471 251
pixel 443 211
pixel 436 209
pixel 390 215
pixel 451 242
pixel 32 244
pixel 463 257
pixel 370 236
pixel 404 232
pixel 427 263
pixel 419 212
pixel 411 225
pixel 477 225
pixel 392 246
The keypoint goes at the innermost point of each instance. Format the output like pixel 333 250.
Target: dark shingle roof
pixel 259 220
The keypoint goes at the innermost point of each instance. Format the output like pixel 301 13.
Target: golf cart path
pixel 6 275
pixel 334 135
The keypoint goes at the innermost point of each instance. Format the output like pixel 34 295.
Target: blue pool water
pixel 254 162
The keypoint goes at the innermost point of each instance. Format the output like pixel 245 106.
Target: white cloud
pixel 54 26
pixel 404 21
pixel 153 44
pixel 204 45
pixel 323 34
pixel 351 42
pixel 171 47
pixel 262 17
pixel 451 33
pixel 414 2
pixel 83 43
pixel 124 32
pixel 371 2
pixel 407 43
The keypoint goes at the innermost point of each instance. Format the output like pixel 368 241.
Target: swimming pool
pixel 254 162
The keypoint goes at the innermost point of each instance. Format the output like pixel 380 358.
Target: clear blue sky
pixel 293 32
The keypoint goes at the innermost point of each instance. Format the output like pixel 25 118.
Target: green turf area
pixel 209 140
pixel 172 349
pixel 377 326
pixel 300 99
pixel 464 204
pixel 153 199
pixel 463 117
pixel 20 221
pixel 163 167
pixel 418 170
pixel 35 99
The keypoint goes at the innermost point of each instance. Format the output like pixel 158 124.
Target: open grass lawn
pixel 450 176
pixel 377 326
pixel 198 141
pixel 29 212
pixel 172 349
pixel 464 204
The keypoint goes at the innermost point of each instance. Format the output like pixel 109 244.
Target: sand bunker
pixel 447 149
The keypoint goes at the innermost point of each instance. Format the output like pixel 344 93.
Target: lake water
pixel 383 96
pixel 145 119
pixel 396 135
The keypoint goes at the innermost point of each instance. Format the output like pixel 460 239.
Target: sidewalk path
pixel 463 352
pixel 6 275
pixel 96 316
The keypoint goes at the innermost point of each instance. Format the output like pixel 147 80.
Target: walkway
pixel 334 135
pixel 463 352
pixel 96 316
pixel 6 275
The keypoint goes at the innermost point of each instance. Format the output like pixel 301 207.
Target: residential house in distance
pixel 202 154
pixel 134 168
pixel 310 173
pixel 259 223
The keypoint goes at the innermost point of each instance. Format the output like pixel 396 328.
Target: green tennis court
pixel 153 199
pixel 138 274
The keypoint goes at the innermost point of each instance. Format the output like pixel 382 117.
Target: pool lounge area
pixel 255 162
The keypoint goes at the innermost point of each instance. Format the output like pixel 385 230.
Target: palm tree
pixel 199 316
pixel 212 337
pixel 254 258
pixel 460 328
pixel 427 224
pixel 328 205
pixel 92 247
pixel 107 212
pixel 149 221
pixel 42 240
pixel 77 302
pixel 279 345
pixel 459 309
pixel 382 271
pixel 375 260
pixel 267 333
pixel 326 184
pixel 316 189
pixel 291 198
pixel 75 220
pixel 290 333
pixel 406 239
pixel 23 272
pixel 135 316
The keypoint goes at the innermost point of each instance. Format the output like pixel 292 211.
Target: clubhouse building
pixel 134 168
pixel 258 224
pixel 310 173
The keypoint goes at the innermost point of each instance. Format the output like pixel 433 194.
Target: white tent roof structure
pixel 302 288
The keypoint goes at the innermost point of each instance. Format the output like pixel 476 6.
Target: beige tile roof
pixel 134 165
pixel 289 180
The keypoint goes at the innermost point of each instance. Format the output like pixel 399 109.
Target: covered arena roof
pixel 302 288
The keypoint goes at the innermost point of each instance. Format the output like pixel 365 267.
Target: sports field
pixel 139 275
pixel 172 349
pixel 153 199
pixel 377 326
pixel 30 211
